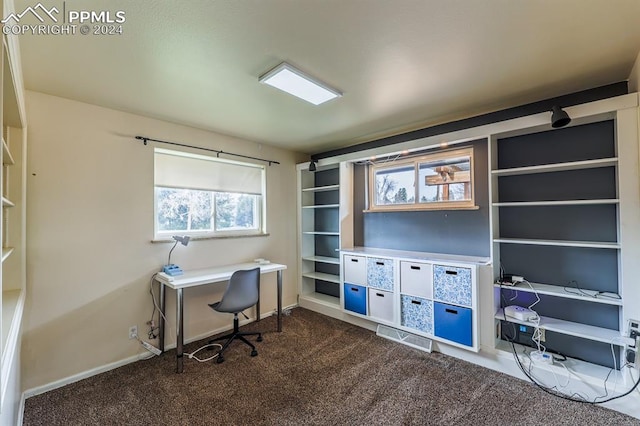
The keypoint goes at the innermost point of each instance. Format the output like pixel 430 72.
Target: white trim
pixel 20 419
pixel 10 349
pixel 38 390
pixel 85 374
pixel 580 114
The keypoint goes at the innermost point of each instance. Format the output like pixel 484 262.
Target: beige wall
pixel 634 77
pixel 89 230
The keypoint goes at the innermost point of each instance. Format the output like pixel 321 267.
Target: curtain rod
pixel 145 139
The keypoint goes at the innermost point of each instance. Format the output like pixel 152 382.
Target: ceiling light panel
pixel 296 83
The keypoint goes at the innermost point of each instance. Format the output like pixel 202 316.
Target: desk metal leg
pixel 179 331
pixel 161 323
pixel 279 300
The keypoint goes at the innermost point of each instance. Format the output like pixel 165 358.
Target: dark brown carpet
pixel 319 371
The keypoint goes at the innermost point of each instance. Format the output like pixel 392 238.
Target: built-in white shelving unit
pixel 577 206
pixel 556 219
pixel 319 240
pixel 12 231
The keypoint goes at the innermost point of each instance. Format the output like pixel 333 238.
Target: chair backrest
pixel 242 292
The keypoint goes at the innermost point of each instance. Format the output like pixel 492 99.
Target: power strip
pixel 538 357
pixel 150 347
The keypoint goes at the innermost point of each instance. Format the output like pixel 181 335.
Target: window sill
pixel 417 209
pixel 209 237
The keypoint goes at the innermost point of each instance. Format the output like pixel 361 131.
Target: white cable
pixel 537 334
pixel 167 324
pixel 192 355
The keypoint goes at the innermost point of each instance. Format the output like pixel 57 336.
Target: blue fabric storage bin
pixel 355 298
pixel 453 323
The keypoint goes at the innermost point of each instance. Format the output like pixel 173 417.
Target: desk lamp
pixel 169 268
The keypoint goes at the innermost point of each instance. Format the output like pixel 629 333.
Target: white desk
pixel 197 277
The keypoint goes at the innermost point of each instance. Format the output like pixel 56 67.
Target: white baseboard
pixel 111 366
pixel 21 410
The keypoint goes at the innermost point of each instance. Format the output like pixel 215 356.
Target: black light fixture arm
pixel 145 139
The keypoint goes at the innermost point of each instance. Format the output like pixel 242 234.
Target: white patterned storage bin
pixel 452 285
pixel 380 273
pixel 417 313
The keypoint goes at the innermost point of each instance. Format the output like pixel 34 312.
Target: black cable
pixel 556 393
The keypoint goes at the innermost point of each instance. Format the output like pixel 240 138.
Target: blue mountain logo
pixel 34 11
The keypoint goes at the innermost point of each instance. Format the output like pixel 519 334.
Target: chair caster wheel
pixel 219 360
pixel 254 353
pixel 259 339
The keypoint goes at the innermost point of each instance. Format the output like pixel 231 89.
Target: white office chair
pixel 242 293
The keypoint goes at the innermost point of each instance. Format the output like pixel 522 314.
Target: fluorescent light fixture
pixel 295 82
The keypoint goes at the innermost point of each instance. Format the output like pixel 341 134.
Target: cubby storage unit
pixel 427 294
pixel 319 193
pixel 12 232
pixel 556 220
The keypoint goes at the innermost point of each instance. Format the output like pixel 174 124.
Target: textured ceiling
pixel 402 64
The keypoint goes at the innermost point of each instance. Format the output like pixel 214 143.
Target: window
pixel 443 180
pixel 206 196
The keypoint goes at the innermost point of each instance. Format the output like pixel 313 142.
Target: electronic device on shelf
pixel 172 270
pixel 510 279
pixel 520 313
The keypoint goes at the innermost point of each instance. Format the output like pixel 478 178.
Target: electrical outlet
pixel 133 332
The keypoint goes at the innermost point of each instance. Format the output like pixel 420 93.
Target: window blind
pixel 180 170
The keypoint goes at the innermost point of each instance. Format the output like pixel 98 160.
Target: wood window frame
pixel 416 161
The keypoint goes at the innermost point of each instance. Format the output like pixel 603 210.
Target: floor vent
pixel 405 338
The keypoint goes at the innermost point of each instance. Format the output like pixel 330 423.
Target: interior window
pixel 442 180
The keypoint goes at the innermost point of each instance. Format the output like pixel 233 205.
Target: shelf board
pixel 7 159
pixel 559 291
pixel 6 252
pixel 556 203
pixel 596 373
pixel 322 276
pixel 322 188
pixel 7 203
pixel 322 206
pixel 323 259
pixel 321 233
pixel 570 328
pixel 557 167
pixel 325 299
pixel 560 243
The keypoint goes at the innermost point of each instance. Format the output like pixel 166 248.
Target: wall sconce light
pixel 169 268
pixel 312 166
pixel 559 118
